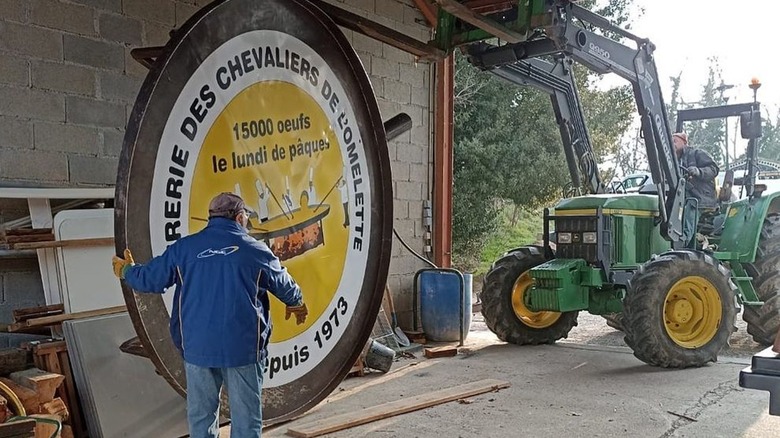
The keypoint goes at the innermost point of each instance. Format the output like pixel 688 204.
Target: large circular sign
pixel 266 100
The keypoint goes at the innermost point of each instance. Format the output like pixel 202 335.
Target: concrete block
pixel 62 77
pixel 348 34
pixel 365 59
pixel 420 134
pixel 411 153
pixel 392 147
pixel 418 172
pixel 397 91
pixel 62 137
pixel 393 54
pixel 93 170
pixel 409 190
pixel 121 29
pixel 405 229
pixel 14 70
pixel 390 9
pixel 129 110
pixel 415 209
pixel 20 285
pixel 377 84
pixel 417 113
pixel 414 75
pixel 132 67
pixel 63 16
pixel 389 109
pixel 15 133
pixel 183 11
pixel 385 68
pixel 400 170
pixel 95 112
pixel 116 86
pixel 94 53
pixel 105 5
pixel 366 44
pixel 421 96
pixel 35 42
pixel 15 10
pixel 400 209
pixel 356 5
pixel 33 165
pixel 151 10
pixel 156 34
pixel 31 104
pixel 112 142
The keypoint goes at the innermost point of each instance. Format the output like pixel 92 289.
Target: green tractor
pixel 628 257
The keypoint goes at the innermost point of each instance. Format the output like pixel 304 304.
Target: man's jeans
pixel 244 385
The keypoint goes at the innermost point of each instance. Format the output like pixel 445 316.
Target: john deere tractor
pixel 674 292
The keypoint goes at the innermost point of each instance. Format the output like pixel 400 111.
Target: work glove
pixel 121 264
pixel 300 312
pixel 694 171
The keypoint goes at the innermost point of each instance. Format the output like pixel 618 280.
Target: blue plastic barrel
pixel 444 295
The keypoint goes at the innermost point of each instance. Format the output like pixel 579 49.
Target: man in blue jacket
pixel 220 321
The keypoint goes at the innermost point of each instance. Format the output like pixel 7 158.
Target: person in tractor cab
pixel 700 170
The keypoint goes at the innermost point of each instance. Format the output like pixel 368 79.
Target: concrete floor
pixel 561 390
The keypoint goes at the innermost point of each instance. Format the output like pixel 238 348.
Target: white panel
pixel 40 217
pixel 121 394
pixel 88 282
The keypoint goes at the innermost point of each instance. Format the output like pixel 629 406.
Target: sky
pixel 687 33
pixel 742 35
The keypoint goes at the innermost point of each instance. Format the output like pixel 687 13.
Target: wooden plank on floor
pixel 443 351
pixel 386 410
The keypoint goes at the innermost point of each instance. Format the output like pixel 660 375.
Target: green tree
pixel 769 143
pixel 710 135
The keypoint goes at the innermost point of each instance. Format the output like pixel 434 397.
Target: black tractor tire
pixel 614 320
pixel 763 321
pixel 683 280
pixel 499 311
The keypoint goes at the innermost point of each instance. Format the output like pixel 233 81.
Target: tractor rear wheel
pixel 763 321
pixel 614 320
pixel 503 304
pixel 679 310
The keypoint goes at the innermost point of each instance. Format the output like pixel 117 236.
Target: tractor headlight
pixel 589 237
pixel 564 237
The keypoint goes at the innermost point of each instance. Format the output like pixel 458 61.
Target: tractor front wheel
pixel 679 310
pixel 503 302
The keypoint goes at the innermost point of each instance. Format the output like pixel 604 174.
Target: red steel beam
pixel 443 152
pixel 442 163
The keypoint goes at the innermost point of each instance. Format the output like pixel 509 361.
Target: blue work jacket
pixel 220 315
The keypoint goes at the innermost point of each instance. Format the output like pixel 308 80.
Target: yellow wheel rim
pixel 692 312
pixel 530 318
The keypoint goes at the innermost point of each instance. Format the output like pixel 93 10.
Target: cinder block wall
pixel 68 83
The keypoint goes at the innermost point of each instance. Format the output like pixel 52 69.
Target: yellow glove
pixel 120 264
pixel 300 312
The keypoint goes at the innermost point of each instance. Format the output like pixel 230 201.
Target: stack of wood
pixel 9 239
pixel 47 391
pixel 40 238
pixel 34 319
pixel 36 390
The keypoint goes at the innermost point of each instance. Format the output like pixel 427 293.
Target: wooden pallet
pixel 52 356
